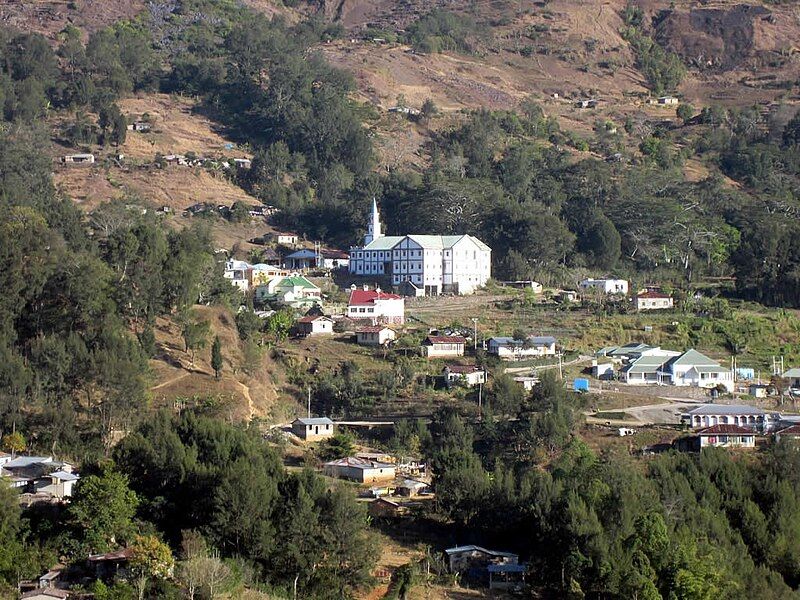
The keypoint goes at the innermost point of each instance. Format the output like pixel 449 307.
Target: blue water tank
pixel 581 385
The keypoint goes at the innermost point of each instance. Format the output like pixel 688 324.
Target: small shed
pixel 375 335
pixel 313 429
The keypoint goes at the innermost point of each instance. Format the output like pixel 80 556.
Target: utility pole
pixel 480 400
pixel 309 402
pixel 560 370
pixel 475 333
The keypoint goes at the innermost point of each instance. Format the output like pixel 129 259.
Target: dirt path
pixel 246 393
pixel 170 381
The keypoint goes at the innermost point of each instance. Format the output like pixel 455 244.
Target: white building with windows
pixel 606 286
pixel 437 264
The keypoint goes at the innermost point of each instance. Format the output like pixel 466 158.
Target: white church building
pixel 433 264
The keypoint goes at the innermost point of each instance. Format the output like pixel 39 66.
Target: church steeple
pixel 374 230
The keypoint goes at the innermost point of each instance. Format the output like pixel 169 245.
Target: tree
pixel 216 356
pixel 684 112
pixel 192 567
pixel 340 445
pixel 428 110
pixel 151 558
pixel 14 442
pixel 279 324
pixel 791 133
pixel 101 512
pixel 195 336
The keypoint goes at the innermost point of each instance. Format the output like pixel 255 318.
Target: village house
pixel 262 273
pixel 440 346
pixel 38 476
pixel 536 287
pixel 242 163
pixel 567 296
pixel 334 259
pixel 359 470
pixel 653 301
pixel 723 436
pixel 295 291
pixel 708 415
pixel 313 429
pixel 411 488
pixel 283 238
pixel 301 260
pixel 591 103
pixel 528 382
pixel 376 306
pixel 788 433
pixel 509 348
pixel 605 286
pixel 239 273
pixel 314 325
pixel 435 264
pixel 78 159
pixel 140 126
pixel 667 100
pixel 469 375
pixel 111 564
pixel 793 376
pixel 383 508
pixel 375 335
pixel 689 369
pixel 475 558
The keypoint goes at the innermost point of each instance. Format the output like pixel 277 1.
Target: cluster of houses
pixel 733 426
pixel 39 479
pixel 647 299
pixel 225 211
pixel 642 364
pixel 198 161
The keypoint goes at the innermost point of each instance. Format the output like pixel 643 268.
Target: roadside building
pixel 473 558
pixel 709 415
pixel 312 429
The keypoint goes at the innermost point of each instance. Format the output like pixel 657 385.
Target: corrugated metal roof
pixel 314 421
pixel 726 409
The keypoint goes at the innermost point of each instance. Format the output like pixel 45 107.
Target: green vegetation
pixel 442 31
pixel 679 526
pixel 663 70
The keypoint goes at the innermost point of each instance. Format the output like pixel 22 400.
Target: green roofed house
pixel 690 369
pixel 295 291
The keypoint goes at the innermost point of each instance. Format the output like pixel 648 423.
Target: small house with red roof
pixel 651 300
pixel 314 325
pixel 376 306
pixel 443 346
pixel 724 436
pixel 375 335
pixel 788 433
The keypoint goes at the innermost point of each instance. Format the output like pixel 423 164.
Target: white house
pixel 667 100
pixel 376 306
pixel 510 349
pixel 708 415
pixel 436 264
pixel 528 382
pixel 375 335
pixel 296 291
pixel 360 470
pixel 606 286
pixel 469 375
pixel 440 346
pixel 314 325
pixel 334 259
pixel 284 239
pixel 239 273
pixel 689 369
pixel 725 436
pixel 78 159
pixel 313 428
pixel 653 301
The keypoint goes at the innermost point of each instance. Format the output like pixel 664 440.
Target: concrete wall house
pixel 313 429
pixel 510 349
pixel 314 325
pixel 376 307
pixel 359 470
pixel 469 375
pixel 708 415
pixel 441 346
pixel 375 335
pixel 606 286
pixel 653 301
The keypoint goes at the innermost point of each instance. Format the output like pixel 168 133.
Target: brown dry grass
pixel 242 396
